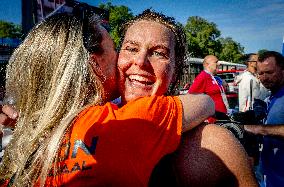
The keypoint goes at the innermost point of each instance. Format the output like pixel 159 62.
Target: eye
pixel 131 49
pixel 159 54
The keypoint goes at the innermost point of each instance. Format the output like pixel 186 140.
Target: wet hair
pixel 278 57
pixel 51 79
pixel 179 34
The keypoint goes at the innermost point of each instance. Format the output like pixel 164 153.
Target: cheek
pixel 122 62
pixel 164 73
pixel 261 78
pixel 122 67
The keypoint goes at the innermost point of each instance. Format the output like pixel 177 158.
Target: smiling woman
pixel 146 60
pixel 151 59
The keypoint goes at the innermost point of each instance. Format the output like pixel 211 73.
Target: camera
pixel 251 142
pixel 254 116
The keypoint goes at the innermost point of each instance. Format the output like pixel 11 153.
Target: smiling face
pixel 146 61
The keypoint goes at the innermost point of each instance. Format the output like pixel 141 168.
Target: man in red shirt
pixel 206 83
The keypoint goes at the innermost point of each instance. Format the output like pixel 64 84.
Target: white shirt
pixel 244 81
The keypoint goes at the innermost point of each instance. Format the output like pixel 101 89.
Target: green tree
pixel 117 16
pixel 231 51
pixel 262 51
pixel 9 30
pixel 202 37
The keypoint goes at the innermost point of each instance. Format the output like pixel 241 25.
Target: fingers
pixel 10 112
pixel 1 135
pixel 8 116
pixel 247 128
pixel 251 128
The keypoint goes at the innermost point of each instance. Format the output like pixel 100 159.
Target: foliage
pixel 231 51
pixel 201 37
pixel 117 16
pixel 262 51
pixel 9 30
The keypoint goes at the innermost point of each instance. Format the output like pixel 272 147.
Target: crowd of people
pixel 262 82
pixel 66 130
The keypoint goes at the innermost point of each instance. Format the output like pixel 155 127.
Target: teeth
pixel 139 78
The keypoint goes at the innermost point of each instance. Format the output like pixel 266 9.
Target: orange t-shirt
pixel 111 146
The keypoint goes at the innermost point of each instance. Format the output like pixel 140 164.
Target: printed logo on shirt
pixel 78 144
pixel 66 150
pixel 63 169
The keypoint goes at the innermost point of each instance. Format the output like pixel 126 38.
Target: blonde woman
pixel 58 76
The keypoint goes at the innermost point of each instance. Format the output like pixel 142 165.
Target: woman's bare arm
pixel 196 108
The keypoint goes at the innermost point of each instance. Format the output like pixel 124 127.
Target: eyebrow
pixel 131 42
pixel 159 46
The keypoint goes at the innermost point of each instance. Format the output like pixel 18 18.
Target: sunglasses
pixel 83 11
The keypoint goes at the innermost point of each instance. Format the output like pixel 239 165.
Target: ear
pixel 93 61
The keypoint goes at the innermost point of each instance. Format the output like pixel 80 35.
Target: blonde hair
pixel 51 79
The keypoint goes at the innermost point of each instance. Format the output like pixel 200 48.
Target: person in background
pixel 249 85
pixel 270 68
pixel 205 82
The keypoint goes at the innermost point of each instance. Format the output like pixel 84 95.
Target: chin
pixel 136 95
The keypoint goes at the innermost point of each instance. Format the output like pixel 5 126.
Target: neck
pixel 252 70
pixel 208 72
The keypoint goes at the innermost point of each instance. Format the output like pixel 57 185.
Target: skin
pixel 137 56
pixel 211 155
pixel 211 64
pixel 271 76
pixel 158 76
pixel 152 62
pixel 106 67
pixel 252 67
pixel 146 66
pixel 146 61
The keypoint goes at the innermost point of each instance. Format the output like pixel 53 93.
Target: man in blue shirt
pixel 270 67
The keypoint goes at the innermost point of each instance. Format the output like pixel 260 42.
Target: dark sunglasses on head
pixel 83 11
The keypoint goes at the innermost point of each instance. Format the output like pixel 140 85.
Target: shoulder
pixel 151 106
pixel 216 135
pixel 215 154
pixel 91 113
pixel 202 74
pixel 215 138
pixel 151 101
pixel 199 79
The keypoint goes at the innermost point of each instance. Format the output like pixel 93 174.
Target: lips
pixel 141 80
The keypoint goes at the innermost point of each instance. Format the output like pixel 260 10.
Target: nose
pixel 142 58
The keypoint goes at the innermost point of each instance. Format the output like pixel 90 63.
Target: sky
pixel 257 24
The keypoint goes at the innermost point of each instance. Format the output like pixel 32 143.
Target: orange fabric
pixel 119 147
